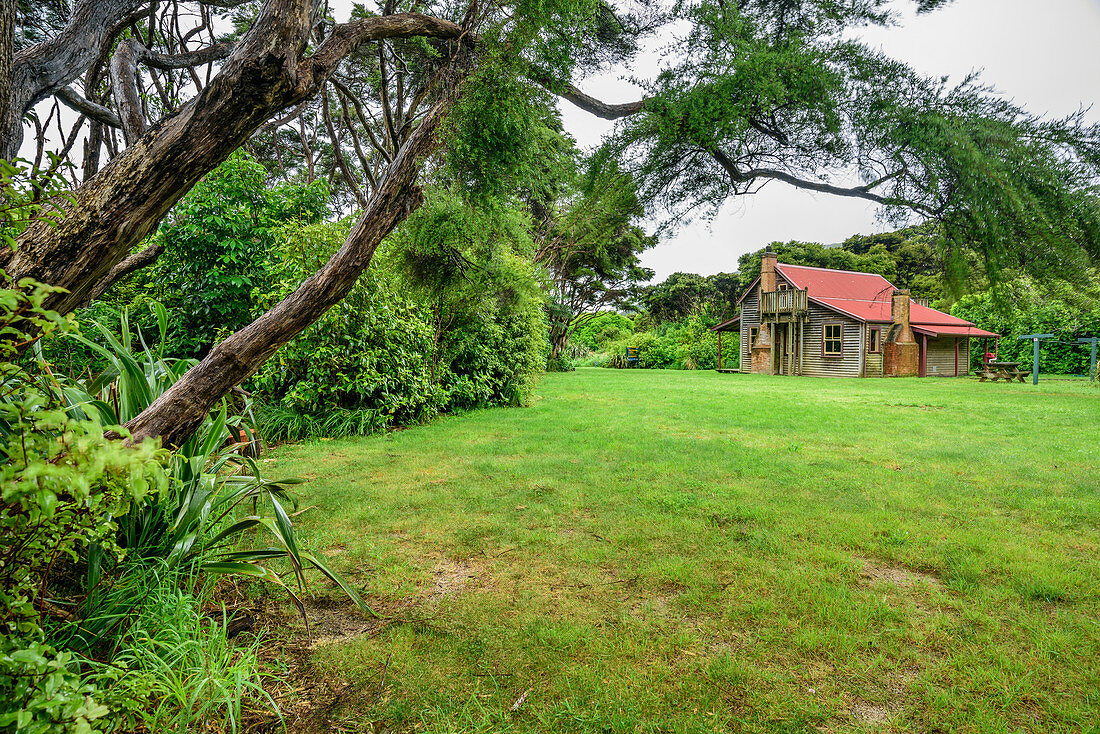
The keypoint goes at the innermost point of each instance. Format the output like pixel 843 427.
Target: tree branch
pixel 567 91
pixel 123 72
pixel 106 217
pixel 87 107
pixel 131 264
pixel 44 68
pixel 346 37
pixel 737 176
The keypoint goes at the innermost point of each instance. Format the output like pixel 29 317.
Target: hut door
pixel 784 350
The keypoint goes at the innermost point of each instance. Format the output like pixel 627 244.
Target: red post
pixel 924 355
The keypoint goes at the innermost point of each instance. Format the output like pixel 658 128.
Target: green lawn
pixel 646 551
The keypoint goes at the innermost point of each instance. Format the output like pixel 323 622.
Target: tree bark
pixel 590 104
pixel 181 409
pixel 7 52
pixel 113 211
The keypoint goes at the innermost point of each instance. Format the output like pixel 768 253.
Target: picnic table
pixel 997 370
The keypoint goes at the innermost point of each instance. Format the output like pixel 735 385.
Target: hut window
pixel 874 340
pixel 832 342
pixel 753 331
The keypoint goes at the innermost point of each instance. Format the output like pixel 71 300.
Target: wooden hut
pixel 798 320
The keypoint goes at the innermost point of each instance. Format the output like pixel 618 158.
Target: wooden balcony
pixel 783 305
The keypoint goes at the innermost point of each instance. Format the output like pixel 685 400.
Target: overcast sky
pixel 1045 55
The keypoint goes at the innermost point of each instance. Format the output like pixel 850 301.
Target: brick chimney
pixel 767 270
pixel 761 349
pixel 899 314
pixel 900 353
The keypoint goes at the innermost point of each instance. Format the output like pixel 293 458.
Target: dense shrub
pixel 63 489
pixel 496 344
pixel 428 328
pixel 370 353
pixel 102 543
pixel 601 329
pixel 217 240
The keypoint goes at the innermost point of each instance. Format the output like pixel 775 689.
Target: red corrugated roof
pixel 867 297
pixel 846 284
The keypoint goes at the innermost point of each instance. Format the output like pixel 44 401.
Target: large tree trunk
pixel 558 339
pixel 111 213
pixel 180 410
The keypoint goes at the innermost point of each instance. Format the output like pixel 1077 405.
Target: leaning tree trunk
pixel 181 409
pixel 113 211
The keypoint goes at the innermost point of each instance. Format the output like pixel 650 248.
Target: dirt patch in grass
pixel 450 577
pixel 898 576
pixel 870 714
pixel 338 620
pixel 310 698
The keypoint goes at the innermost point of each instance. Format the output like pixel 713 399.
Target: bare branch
pixel 346 37
pixel 124 86
pixel 123 70
pixel 567 91
pixel 86 107
pixel 737 176
pixel 44 68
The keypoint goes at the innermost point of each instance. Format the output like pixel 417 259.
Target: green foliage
pixel 595 333
pixel 41 692
pixel 680 294
pixel 28 194
pixel 469 262
pixel 590 242
pixel 64 489
pixel 1024 306
pixel 496 136
pixel 449 316
pixel 195 523
pixel 370 353
pixel 217 241
pixel 170 668
pixel 780 91
pixel 686 344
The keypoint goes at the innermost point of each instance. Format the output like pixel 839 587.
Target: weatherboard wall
pixel 940 359
pixel 814 362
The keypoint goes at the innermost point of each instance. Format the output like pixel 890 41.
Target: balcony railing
pixel 783 302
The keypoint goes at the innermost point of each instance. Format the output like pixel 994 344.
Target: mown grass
pixel 693 552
